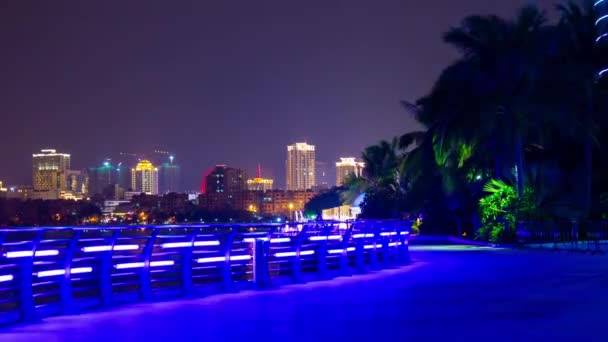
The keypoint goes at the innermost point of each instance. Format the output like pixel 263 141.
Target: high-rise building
pixel 223 179
pixel 77 181
pixel 300 166
pixel 169 176
pixel 144 178
pixel 102 177
pixel 258 183
pixel 49 170
pixel 321 176
pixel 346 167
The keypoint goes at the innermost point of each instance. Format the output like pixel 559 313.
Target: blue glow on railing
pixel 218 259
pixel 211 259
pixel 176 244
pixel 280 240
pixel 21 254
pixel 323 238
pixel 125 247
pixel 378 245
pixel 96 249
pixel 360 236
pixel 50 273
pixel 338 251
pixel 602 72
pixel 598 2
pixel 190 244
pixel 7 277
pixel 601 37
pixel 78 270
pixel 240 257
pixel 162 263
pixel 107 248
pixel 206 243
pixel 293 254
pixel 252 240
pixel 130 265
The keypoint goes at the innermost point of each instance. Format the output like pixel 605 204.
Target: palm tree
pixel 509 58
pixel 577 25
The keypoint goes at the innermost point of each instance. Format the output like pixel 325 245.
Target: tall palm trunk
pixel 519 163
pixel 588 149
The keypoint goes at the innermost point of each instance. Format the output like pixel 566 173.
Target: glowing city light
pixel 388 233
pixel 280 240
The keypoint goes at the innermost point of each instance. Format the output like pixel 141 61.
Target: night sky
pixel 216 82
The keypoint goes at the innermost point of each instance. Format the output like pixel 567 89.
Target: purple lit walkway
pixel 452 292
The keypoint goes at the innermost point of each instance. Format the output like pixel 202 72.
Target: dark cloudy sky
pixel 225 81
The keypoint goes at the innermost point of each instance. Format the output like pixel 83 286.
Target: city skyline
pixel 109 171
pixel 77 84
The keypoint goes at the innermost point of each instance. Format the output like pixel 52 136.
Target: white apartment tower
pixel 300 166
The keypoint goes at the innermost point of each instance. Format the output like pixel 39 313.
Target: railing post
pixel 373 255
pixel 402 248
pixel 344 269
pixel 261 278
pixel 226 268
pixel 26 295
pixel 186 265
pixel 145 283
pixel 66 293
pixel 296 262
pixel 26 291
pixel 105 272
pixel 322 260
pixel 574 232
pixel 385 253
pixel 359 254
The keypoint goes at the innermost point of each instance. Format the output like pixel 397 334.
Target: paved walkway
pixel 453 293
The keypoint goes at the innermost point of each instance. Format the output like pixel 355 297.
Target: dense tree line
pixel 515 129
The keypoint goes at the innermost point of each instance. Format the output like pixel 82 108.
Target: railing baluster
pixel 105 271
pixel 145 283
pixel 103 258
pixel 186 264
pixel 66 293
pixel 26 279
pixel 226 268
